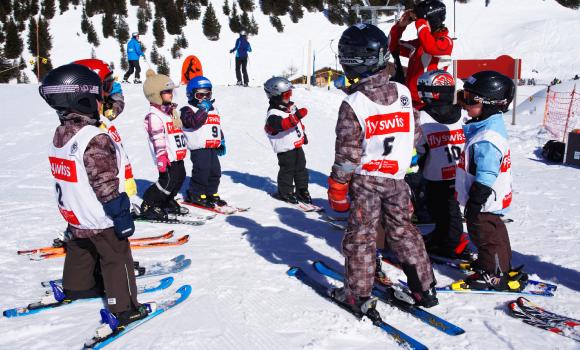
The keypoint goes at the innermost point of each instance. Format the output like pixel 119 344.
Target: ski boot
pixel 200 200
pixel 151 212
pixel 288 197
pixel 53 297
pixel 125 81
pixel 303 196
pixel 426 298
pixel 172 207
pixel 239 83
pixel 113 323
pixel 137 81
pixel 215 200
pixel 359 306
pixel 245 84
pixel 513 281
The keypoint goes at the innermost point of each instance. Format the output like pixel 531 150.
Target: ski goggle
pixel 168 91
pixel 202 95
pixel 471 99
pixel 286 95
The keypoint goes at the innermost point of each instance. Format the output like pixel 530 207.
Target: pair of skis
pixel 174 219
pixel 538 317
pixel 159 241
pixel 385 294
pixel 223 210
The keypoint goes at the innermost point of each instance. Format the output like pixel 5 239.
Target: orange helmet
pixel 102 69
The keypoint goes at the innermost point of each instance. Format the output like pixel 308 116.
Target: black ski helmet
pixel 72 87
pixel 493 89
pixel 433 11
pixel 363 50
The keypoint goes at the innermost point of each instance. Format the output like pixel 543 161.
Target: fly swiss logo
pixel 383 124
pixel 506 162
pixel 114 134
pixel 171 128
pixel 444 138
pixel 213 119
pixel 63 169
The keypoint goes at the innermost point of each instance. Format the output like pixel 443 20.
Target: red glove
pixel 301 113
pixel 162 163
pixel 337 193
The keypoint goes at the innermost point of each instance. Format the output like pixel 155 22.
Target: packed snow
pixel 242 298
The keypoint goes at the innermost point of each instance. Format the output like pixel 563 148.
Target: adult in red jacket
pixel 432 48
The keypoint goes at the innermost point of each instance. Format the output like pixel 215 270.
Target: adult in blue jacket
pixel 133 54
pixel 242 48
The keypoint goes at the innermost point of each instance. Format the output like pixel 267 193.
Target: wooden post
pixel 38 48
pixel 516 80
pixel 546 105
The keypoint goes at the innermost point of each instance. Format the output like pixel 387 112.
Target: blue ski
pixel 400 337
pixel 35 308
pixel 180 296
pixel 387 295
pixel 538 290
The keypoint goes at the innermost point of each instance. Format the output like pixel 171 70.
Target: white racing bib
pixel 174 137
pixel 208 135
pixel 286 140
pixel 122 158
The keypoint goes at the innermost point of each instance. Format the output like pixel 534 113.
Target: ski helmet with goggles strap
pixel 72 88
pixel 276 86
pixel 363 50
pixel 102 69
pixel 200 82
pixel 433 11
pixel 489 88
pixel 436 85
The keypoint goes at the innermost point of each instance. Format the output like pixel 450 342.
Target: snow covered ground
pixel 242 298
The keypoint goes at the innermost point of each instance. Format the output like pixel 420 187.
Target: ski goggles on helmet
pixel 108 83
pixel 286 95
pixel 471 99
pixel 201 95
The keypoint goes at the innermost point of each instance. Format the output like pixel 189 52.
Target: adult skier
pixel 484 181
pixel 241 49
pixel 374 143
pixel 431 50
pixel 87 174
pixel 134 53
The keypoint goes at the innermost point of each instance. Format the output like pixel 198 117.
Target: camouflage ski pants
pixel 381 201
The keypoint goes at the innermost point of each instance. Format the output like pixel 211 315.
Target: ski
pixel 551 318
pixel 224 209
pixel 37 307
pixel 516 311
pixel 172 218
pixel 61 248
pixel 334 222
pixel 400 337
pixel 305 207
pixel 388 296
pixel 539 289
pixel 175 265
pixel 180 241
pixel 161 306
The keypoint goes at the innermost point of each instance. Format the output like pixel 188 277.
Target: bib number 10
pixel 452 153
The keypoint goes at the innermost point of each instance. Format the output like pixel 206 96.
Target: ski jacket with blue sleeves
pixel 134 50
pixel 242 47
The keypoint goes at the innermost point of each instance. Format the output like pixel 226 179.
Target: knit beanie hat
pixel 154 84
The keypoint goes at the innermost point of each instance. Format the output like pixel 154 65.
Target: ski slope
pixel 242 298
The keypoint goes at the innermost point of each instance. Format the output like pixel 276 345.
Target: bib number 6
pixel 388 145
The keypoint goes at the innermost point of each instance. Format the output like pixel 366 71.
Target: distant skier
pixel 439 148
pixel 206 142
pixel 374 143
pixel 285 131
pixel 84 163
pixel 133 54
pixel 431 50
pixel 241 49
pixel 484 182
pixel 168 147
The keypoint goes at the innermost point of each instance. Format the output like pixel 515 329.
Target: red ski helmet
pixel 102 69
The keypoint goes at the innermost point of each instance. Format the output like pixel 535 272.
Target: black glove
pixel 119 209
pixel 478 195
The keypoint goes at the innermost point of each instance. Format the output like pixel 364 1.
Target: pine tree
pixel 92 36
pixel 226 8
pixel 277 23
pixel 172 21
pixel 93 53
pixel 154 55
pixel 247 5
pixel 109 26
pixel 183 41
pixel 281 7
pixel 159 31
pixel 84 22
pixel 63 6
pixel 122 31
pixel 246 23
pixel 33 8
pixel 23 78
pixel 573 4
pixel 211 26
pixel 120 7
pixel 20 11
pixel 5 10
pixel 141 20
pixel 235 22
pixel 192 9
pixel 163 67
pixel 313 5
pixel 254 27
pixel 48 9
pixel 5 73
pixel 14 45
pixel 124 61
pixel 176 49
pixel 2 36
pixel 296 12
pixel 203 2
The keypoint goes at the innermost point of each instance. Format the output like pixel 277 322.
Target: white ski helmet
pixel 275 86
pixel 135 34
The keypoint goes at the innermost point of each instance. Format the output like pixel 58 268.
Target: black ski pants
pixel 167 186
pixel 489 234
pixel 101 264
pixel 205 173
pixel 241 67
pixel 445 212
pixel 133 66
pixel 292 171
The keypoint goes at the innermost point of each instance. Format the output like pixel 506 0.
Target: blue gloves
pixel 221 150
pixel 119 209
pixel 206 105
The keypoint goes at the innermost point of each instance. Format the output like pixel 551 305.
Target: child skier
pixel 439 148
pixel 205 140
pixel 483 181
pixel 168 146
pixel 285 131
pixel 374 144
pixel 87 172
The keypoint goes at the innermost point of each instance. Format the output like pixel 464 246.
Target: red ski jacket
pixel 430 51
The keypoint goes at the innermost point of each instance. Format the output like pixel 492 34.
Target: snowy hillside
pixel 541 32
pixel 242 298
